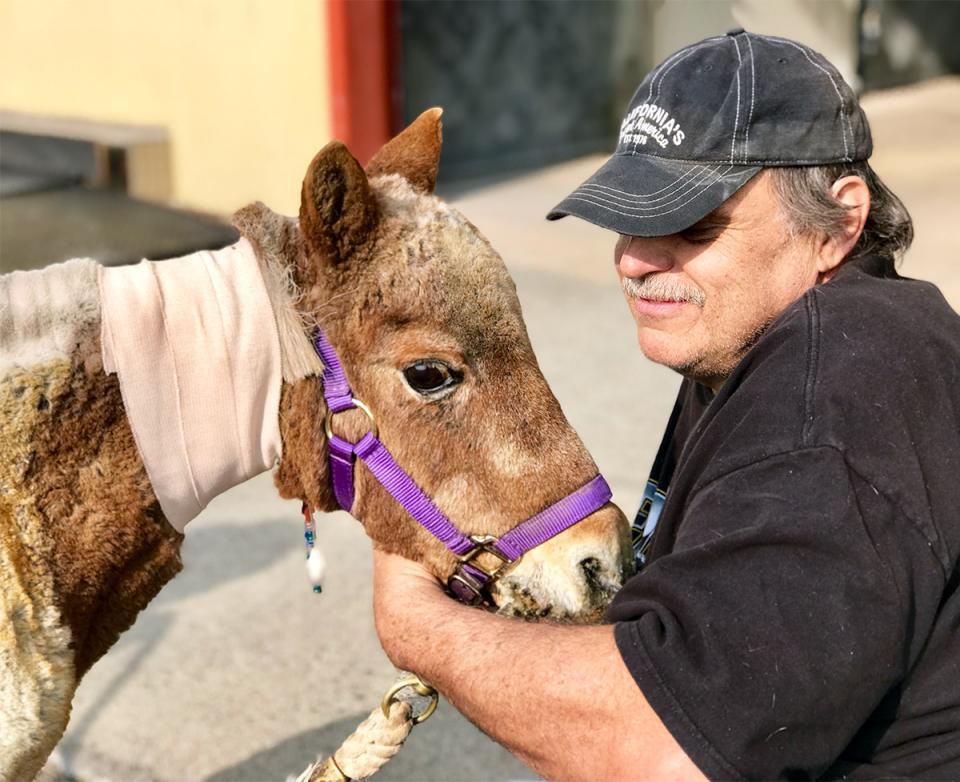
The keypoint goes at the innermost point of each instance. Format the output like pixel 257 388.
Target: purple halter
pixel 470 581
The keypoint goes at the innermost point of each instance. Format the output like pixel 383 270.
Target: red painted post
pixel 364 49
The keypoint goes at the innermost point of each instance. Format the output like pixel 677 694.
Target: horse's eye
pixel 428 377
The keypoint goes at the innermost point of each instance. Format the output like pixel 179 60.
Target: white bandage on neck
pixel 195 345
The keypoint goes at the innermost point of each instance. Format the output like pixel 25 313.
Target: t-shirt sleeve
pixel 773 629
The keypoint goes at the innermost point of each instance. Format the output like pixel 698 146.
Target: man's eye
pixel 698 237
pixel 429 377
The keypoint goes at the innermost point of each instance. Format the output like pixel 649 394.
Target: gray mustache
pixel 662 287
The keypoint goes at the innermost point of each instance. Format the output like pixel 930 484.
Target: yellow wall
pixel 242 86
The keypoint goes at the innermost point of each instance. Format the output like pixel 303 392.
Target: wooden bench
pixel 131 158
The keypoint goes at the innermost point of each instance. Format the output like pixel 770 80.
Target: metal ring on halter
pixel 328 418
pixel 419 687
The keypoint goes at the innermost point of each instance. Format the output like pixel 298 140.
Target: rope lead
pixel 379 737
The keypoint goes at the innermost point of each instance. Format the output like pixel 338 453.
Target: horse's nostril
pixel 590 565
pixel 591 572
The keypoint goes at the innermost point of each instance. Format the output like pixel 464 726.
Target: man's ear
pixel 414 154
pixel 854 195
pixel 338 210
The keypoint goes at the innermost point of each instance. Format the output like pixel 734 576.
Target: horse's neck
pixel 201 345
pixel 83 544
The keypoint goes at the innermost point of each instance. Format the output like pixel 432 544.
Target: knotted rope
pixel 379 737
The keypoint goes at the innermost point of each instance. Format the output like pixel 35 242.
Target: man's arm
pixel 558 697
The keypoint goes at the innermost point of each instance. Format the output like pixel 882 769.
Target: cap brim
pixel 644 195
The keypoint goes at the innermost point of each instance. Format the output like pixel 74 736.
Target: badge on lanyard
pixel 645 522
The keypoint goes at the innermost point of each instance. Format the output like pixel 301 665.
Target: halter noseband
pixel 470 580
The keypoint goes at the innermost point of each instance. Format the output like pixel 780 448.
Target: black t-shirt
pixel 798 615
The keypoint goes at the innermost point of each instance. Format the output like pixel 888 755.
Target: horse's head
pixel 426 320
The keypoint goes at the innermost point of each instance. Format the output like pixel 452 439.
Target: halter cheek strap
pixel 470 581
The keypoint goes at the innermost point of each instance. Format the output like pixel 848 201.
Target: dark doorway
pixel 522 82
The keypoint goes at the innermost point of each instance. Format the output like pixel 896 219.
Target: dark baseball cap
pixel 707 120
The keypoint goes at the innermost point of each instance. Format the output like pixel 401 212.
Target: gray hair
pixel 804 194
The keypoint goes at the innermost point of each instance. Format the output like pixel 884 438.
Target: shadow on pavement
pixel 213 556
pixel 217 554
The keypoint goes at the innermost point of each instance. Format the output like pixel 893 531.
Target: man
pixel 797 608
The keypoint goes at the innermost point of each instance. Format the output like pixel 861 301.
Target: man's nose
pixel 643 255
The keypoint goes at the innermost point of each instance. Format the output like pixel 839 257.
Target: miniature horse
pixel 129 397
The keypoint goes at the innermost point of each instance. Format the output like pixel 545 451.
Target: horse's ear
pixel 338 210
pixel 414 154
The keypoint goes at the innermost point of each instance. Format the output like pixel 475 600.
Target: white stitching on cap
pixel 648 206
pixel 753 82
pixel 813 161
pixel 630 198
pixel 675 196
pixel 673 59
pixel 736 119
pixel 687 53
pixel 667 71
pixel 844 120
pixel 711 178
pixel 677 188
pixel 844 114
pixel 643 195
pixel 653 77
pixel 660 214
pixel 653 206
pixel 682 54
pixel 843 105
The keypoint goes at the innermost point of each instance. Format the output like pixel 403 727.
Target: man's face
pixel 701 298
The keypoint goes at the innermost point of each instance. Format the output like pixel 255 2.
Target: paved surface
pixel 238 672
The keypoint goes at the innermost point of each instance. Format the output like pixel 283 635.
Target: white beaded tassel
pixel 316 568
pixel 316 562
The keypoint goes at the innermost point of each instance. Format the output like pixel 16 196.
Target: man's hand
pixel 558 697
pixel 403 594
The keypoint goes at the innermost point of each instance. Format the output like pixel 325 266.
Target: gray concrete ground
pixel 238 672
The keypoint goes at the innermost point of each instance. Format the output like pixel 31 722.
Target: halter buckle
pixel 485 544
pixel 467 589
pixel 463 584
